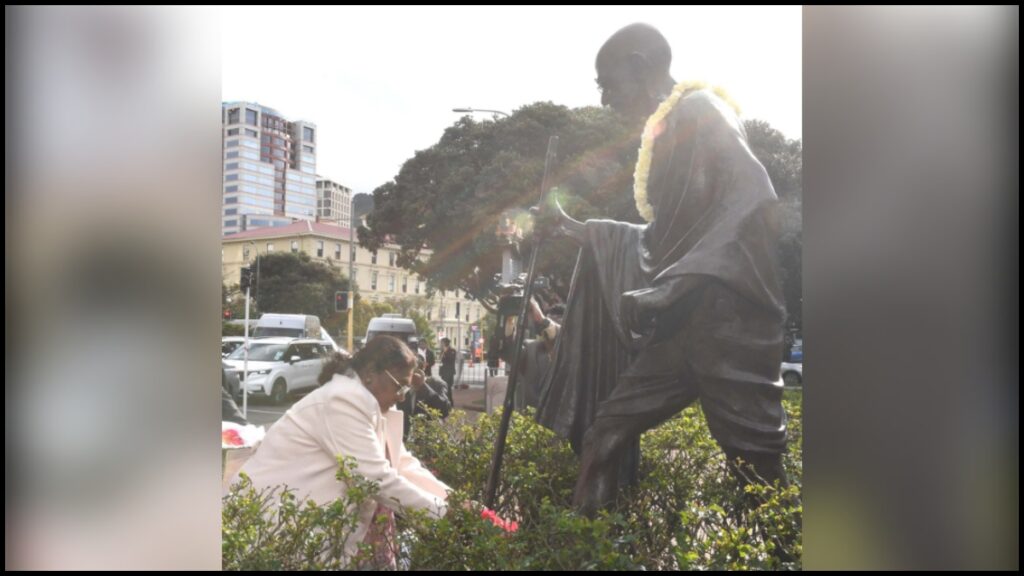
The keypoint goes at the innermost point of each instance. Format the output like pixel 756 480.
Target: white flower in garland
pixel 652 129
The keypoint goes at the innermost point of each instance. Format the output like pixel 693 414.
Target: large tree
pixel 451 196
pixel 296 284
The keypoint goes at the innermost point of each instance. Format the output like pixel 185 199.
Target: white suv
pixel 280 366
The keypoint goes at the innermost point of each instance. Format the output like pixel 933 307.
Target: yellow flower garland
pixel 643 161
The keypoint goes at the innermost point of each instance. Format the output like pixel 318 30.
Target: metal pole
pixel 458 340
pixel 257 271
pixel 245 362
pixel 506 416
pixel 351 267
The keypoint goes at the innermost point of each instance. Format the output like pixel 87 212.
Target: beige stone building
pixel 377 276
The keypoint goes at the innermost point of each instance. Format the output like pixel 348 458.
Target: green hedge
pixel 687 512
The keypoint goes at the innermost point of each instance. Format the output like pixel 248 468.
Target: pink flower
pixel 231 438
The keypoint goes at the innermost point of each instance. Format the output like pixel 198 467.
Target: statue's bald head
pixel 637 38
pixel 633 69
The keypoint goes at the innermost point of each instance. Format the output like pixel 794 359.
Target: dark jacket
pixel 433 395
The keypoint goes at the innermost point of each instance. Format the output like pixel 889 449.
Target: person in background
pixel 448 364
pixel 427 392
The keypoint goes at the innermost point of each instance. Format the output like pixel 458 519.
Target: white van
pixel 392 325
pixel 288 325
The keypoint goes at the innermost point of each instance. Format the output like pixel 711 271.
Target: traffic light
pixel 245 280
pixel 340 301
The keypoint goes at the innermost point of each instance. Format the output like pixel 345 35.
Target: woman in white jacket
pixel 351 415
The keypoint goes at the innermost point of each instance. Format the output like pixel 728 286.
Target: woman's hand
pixel 419 380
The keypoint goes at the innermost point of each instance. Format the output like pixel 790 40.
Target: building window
pixel 231 177
pixel 250 117
pixel 232 154
pixel 373 280
pixel 405 284
pixel 391 258
pixel 270 246
pixel 307 134
pixel 231 143
pixel 233 132
pixel 320 249
pixel 417 286
pixel 295 245
pixel 233 116
pixel 253 133
pixel 307 148
pixel 230 211
pixel 373 257
pixel 391 282
pixel 231 166
pixel 337 251
pixel 230 223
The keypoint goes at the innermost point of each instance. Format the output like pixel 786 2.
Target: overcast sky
pixel 380 83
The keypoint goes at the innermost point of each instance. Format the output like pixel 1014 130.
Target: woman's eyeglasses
pixel 403 389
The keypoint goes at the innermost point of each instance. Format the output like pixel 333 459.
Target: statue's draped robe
pixel 715 223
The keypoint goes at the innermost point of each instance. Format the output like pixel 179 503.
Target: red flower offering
pixel 493 518
pixel 231 437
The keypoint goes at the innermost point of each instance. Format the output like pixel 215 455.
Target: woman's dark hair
pixel 381 353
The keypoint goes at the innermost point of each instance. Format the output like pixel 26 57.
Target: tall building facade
pixel 334 202
pixel 269 168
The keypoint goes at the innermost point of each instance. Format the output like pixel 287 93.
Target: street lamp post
pixel 256 249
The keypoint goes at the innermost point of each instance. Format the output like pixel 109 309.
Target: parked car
pixel 229 344
pixel 326 337
pixel 796 354
pixel 280 366
pixel 793 373
pixel 229 380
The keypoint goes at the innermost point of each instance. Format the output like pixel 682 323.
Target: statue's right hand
pixel 552 219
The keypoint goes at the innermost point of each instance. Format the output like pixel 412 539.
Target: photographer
pixel 536 354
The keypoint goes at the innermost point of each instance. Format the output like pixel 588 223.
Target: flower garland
pixel 652 129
